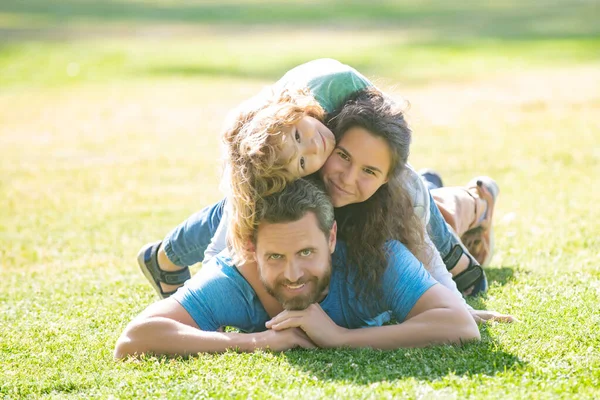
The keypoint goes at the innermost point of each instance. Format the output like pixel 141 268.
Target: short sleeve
pixel 219 296
pixel 332 91
pixel 405 280
pixel 418 192
pixel 330 81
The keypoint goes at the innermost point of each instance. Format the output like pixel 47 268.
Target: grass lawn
pixel 109 122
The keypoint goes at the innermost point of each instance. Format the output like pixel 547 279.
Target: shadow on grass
pixel 440 19
pixel 499 276
pixel 368 366
pixel 496 277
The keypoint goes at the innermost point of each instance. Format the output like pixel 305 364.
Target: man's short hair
pixel 293 202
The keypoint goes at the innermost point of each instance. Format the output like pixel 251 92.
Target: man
pixel 330 83
pixel 295 251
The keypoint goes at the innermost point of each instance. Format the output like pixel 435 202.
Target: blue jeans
pixel 445 241
pixel 185 245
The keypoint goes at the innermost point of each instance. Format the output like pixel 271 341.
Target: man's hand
pixel 282 340
pixel 314 321
pixel 483 316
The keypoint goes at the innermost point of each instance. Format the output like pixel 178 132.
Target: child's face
pixel 306 146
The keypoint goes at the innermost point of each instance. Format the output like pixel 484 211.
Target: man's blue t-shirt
pixel 218 295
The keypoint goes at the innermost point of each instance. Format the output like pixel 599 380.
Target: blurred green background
pixel 110 114
pixel 411 41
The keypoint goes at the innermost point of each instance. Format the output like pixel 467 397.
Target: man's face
pixel 294 261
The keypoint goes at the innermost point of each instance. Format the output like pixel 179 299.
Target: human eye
pixel 297 136
pixel 275 256
pixel 369 171
pixel 306 252
pixel 302 163
pixel 343 155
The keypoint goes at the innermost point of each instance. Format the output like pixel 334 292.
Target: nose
pixel 312 146
pixel 348 175
pixel 293 272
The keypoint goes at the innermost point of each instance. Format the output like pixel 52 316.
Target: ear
pixel 251 248
pixel 333 237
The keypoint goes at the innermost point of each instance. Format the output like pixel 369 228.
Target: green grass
pixel 229 56
pixel 98 162
pixel 81 41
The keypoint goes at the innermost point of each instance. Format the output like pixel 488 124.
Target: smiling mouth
pixel 295 287
pixel 340 189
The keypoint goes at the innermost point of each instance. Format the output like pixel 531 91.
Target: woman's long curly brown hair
pixel 388 214
pixel 253 138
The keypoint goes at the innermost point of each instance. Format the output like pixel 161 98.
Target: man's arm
pixel 166 328
pixel 431 313
pixel 436 318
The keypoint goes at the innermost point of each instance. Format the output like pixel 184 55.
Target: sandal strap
pixel 161 276
pixel 472 276
pixel 451 259
pixel 174 277
pixel 168 294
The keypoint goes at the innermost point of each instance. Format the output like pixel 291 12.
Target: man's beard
pixel 299 302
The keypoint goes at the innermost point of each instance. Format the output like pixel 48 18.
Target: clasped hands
pixel 308 328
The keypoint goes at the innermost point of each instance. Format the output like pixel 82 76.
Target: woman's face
pixel 306 146
pixel 358 166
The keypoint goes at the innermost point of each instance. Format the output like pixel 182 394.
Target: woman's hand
pixel 483 316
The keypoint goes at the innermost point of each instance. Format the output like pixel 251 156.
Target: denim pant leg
pixel 441 235
pixel 445 240
pixel 185 245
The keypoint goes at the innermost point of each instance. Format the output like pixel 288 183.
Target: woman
pixel 251 154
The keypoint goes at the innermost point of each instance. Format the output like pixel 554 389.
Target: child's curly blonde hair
pixel 253 140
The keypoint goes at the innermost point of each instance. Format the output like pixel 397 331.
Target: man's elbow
pixel 130 342
pixel 122 348
pixel 466 328
pixel 471 333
